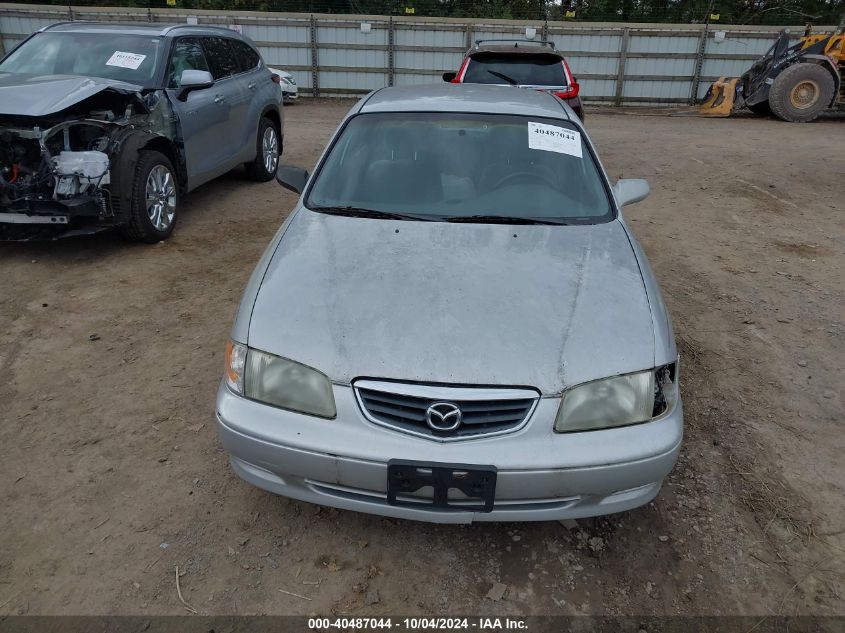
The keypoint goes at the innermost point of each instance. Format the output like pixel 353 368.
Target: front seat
pixel 408 175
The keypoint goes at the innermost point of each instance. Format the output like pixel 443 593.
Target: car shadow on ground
pixel 536 561
pixel 194 206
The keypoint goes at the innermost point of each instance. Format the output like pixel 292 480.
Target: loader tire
pixel 801 92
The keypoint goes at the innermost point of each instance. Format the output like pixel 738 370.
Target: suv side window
pixel 187 55
pixel 221 57
pixel 247 56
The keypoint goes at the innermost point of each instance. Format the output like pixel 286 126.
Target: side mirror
pixel 630 190
pixel 449 76
pixel 193 80
pixel 292 177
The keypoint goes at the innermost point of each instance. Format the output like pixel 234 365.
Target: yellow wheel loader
pixel 795 83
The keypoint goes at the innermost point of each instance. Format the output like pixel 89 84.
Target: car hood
pixel 482 304
pixel 42 95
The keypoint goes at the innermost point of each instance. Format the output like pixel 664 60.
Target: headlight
pixel 618 401
pixel 286 384
pixel 235 360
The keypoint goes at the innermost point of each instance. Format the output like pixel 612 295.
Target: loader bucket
pixel 720 98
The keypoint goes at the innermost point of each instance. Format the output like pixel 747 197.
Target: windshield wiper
pixel 360 212
pixel 510 80
pixel 502 219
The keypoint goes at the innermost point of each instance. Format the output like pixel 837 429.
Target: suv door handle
pixel 251 86
pixel 219 98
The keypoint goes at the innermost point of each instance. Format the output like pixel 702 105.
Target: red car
pixel 520 63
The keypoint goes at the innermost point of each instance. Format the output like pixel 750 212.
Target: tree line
pixel 677 11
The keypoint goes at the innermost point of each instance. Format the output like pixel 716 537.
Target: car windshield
pixel 118 56
pixel 523 69
pixel 452 166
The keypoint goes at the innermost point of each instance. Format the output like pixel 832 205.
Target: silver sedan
pixel 455 323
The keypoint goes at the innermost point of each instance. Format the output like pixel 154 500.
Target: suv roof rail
pixel 173 27
pixel 517 42
pixel 50 26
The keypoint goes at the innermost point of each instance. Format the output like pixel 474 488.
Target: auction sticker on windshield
pixel 126 60
pixel 551 138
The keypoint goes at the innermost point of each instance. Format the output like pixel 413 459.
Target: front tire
pixel 155 198
pixel 268 150
pixel 801 92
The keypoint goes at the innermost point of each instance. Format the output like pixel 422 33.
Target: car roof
pixel 141 28
pixel 516 48
pixel 448 97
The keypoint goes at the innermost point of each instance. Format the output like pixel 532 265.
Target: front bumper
pixel 49 218
pixel 542 475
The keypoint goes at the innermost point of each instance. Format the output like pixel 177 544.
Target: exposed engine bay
pixel 61 170
pixel 66 162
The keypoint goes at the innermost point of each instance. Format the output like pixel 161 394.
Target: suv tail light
pixel 570 92
pixel 275 78
pixel 460 75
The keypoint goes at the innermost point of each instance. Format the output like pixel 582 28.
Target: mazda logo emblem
pixel 443 416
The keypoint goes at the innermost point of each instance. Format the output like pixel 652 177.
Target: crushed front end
pixel 58 171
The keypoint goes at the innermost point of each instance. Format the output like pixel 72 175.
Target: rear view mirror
pixel 193 80
pixel 630 190
pixel 292 177
pixel 449 76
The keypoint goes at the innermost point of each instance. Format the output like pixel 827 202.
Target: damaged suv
pixel 106 125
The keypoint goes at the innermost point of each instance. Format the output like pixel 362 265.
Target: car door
pixel 256 81
pixel 231 93
pixel 201 118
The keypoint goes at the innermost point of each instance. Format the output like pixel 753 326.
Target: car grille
pixel 484 411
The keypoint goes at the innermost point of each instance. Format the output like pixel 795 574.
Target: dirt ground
pixel 111 474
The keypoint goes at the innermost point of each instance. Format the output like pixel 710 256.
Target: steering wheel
pixel 531 176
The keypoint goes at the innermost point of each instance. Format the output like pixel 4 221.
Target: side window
pixel 187 55
pixel 221 57
pixel 247 55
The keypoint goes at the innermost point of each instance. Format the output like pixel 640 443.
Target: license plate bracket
pixel 477 482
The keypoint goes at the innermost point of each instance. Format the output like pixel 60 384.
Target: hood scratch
pixel 580 264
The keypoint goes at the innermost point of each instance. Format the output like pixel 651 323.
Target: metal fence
pixel 343 55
